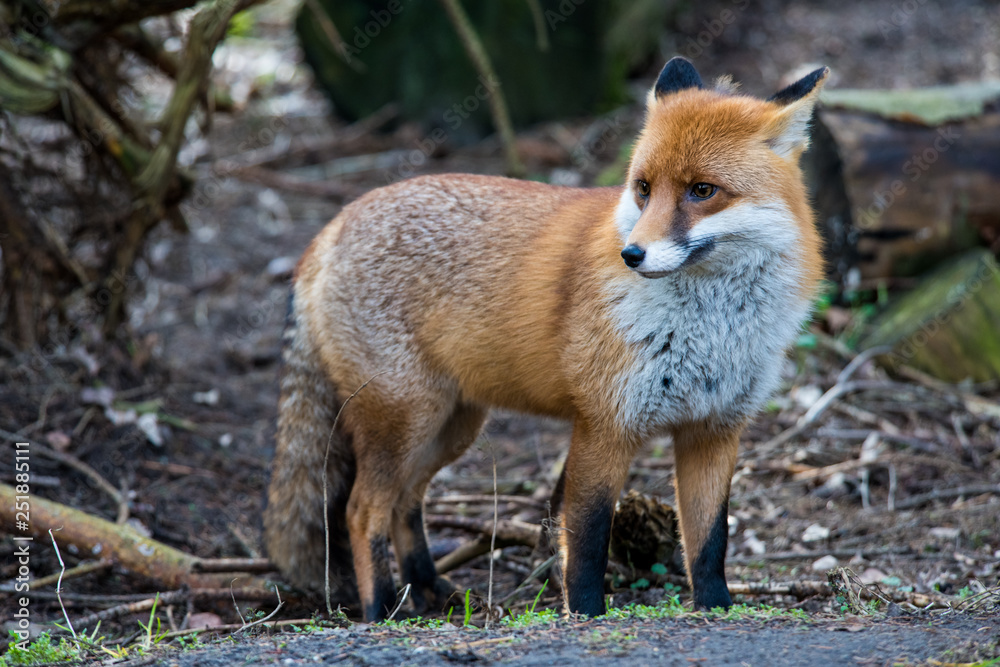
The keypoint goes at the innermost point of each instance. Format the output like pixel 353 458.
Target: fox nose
pixel 633 255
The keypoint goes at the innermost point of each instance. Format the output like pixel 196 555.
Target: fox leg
pixel 705 461
pixel 427 590
pixel 369 518
pixel 387 438
pixel 595 472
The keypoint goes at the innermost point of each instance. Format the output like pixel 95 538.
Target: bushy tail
pixel 293 519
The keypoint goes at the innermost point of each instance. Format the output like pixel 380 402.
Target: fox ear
pixel 790 130
pixel 678 74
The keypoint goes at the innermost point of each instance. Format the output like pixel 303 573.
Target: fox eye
pixel 642 187
pixel 703 190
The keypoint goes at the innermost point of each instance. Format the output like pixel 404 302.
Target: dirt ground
pixel 921 516
pixel 834 643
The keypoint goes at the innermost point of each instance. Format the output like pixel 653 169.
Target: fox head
pixel 715 175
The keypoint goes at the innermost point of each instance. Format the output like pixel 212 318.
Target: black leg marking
pixel 417 566
pixel 708 572
pixel 588 556
pixel 384 597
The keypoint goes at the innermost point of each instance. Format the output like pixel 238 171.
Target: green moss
pixel 947 326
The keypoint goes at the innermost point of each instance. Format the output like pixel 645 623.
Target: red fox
pixel 661 307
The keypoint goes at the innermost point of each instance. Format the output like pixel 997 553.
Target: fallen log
pixel 905 178
pixel 139 555
pixel 947 326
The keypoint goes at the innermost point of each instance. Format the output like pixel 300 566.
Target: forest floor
pixel 896 481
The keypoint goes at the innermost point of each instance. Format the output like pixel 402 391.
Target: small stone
pixel 806 397
pixel 815 533
pixel 945 533
pixel 58 440
pixel 734 525
pixel 102 396
pixel 834 487
pixel 872 576
pixel 280 267
pixel 752 543
pixel 210 397
pixel 825 564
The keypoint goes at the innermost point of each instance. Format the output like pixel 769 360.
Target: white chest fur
pixel 709 341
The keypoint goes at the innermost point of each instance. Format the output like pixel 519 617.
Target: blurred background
pixel 163 164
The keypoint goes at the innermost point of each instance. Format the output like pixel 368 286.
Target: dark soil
pixel 207 321
pixel 832 643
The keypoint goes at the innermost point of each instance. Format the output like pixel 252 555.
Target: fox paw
pixel 434 597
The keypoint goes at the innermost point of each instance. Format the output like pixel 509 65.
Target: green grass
pixel 417 622
pixel 764 612
pixel 41 651
pixel 671 607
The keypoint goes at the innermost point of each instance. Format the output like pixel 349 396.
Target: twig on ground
pixel 332 190
pixel 281 603
pixel 980 600
pixel 62 570
pixel 475 499
pixel 843 581
pixel 236 606
pixel 313 153
pixel 861 433
pixel 234 627
pixel 820 407
pixel 510 530
pixel 543 567
pixel 963 441
pixel 799 589
pixel 170 597
pixel 254 565
pixel 483 544
pixel 942 494
pixel 860 360
pixel 403 594
pixel 79 571
pixel 812 555
pixel 493 535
